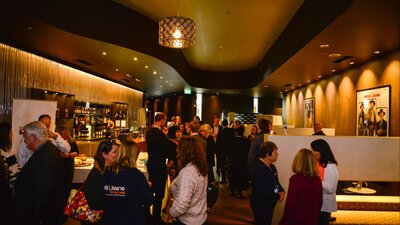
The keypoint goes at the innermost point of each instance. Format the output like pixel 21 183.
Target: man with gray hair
pixel 39 190
pixel 24 154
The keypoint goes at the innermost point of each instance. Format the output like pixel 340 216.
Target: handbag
pixel 78 208
pixel 212 195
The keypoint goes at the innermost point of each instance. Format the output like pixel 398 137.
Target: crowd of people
pixel 183 158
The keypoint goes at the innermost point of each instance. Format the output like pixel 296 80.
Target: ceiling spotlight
pixel 160 86
pixel 104 53
pixel 116 69
pixel 154 72
pixel 334 55
pixel 146 67
pixel 333 71
pixel 351 63
pixel 135 58
pixel 308 81
pixel 166 81
pixel 266 86
pixel 128 75
pixel 299 85
pixel 324 46
pixel 377 52
pixel 319 76
pixel 161 78
pixel 137 80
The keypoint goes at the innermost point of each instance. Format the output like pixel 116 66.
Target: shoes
pixel 332 219
pixel 240 196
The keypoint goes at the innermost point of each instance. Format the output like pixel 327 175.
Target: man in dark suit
pixel 224 143
pixel 159 150
pixel 318 129
pixel 39 190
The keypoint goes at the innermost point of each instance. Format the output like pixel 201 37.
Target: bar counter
pixel 89 146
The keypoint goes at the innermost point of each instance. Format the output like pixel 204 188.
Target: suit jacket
pixel 40 190
pixel 159 150
pixel 224 141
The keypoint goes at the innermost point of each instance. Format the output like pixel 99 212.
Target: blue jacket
pixel 127 197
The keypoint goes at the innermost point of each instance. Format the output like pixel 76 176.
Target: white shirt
pixel 329 185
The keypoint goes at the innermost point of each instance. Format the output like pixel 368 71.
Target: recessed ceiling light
pixel 166 81
pixel 135 58
pixel 161 78
pixel 285 89
pixel 154 72
pixel 299 85
pixel 308 81
pixel 137 80
pixel 116 69
pixel 333 71
pixel 170 85
pixel 377 52
pixel 128 75
pixel 324 46
pixel 319 76
pixel 45 91
pixel 351 63
pixel 266 86
pixel 160 86
pixel 334 55
pixel 104 53
pixel 146 67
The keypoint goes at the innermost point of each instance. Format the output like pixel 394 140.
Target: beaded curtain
pixel 20 70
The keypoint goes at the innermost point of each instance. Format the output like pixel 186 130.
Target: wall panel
pixel 335 97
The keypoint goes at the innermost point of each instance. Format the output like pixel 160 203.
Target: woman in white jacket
pixel 329 174
pixel 189 188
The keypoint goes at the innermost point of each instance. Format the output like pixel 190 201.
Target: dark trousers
pixel 262 212
pixel 178 222
pixel 221 166
pixel 324 218
pixel 158 180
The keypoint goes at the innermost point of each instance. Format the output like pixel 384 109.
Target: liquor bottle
pixel 117 120
pixel 123 119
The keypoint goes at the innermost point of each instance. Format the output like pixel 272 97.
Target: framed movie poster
pixel 309 112
pixel 373 112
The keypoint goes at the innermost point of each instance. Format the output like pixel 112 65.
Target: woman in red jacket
pixel 304 198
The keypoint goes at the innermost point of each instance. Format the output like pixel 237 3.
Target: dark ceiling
pixel 77 33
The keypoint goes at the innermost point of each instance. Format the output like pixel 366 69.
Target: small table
pixel 365 191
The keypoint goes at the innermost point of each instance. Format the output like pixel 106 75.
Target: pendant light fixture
pixel 177 32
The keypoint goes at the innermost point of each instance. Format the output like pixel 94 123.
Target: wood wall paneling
pixel 335 97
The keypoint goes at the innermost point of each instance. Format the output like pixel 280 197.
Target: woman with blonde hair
pixel 127 192
pixel 189 189
pixel 304 198
pixel 205 132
